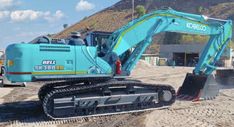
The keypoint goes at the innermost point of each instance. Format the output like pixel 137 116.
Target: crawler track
pixel 79 100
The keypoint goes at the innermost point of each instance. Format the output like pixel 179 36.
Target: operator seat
pixel 77 42
pixel 75 39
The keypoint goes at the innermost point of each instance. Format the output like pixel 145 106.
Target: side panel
pixel 33 62
pixel 29 60
pixel 53 60
pixel 19 62
pixel 89 63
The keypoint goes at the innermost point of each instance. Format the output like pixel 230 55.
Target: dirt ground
pixel 20 106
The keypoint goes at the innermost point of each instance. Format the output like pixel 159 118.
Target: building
pixel 152 59
pixel 188 54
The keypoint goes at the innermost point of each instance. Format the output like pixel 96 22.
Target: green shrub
pixel 140 10
pixel 200 9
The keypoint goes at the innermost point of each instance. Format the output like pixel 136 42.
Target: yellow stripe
pixel 81 72
pixel 154 15
pixel 59 73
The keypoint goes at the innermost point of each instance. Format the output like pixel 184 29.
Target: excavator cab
pixel 98 39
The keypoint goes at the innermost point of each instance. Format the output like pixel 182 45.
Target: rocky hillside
pixel 119 14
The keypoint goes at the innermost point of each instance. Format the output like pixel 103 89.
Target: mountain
pixel 119 14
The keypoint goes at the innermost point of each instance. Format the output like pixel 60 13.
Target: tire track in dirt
pixel 204 114
pixel 130 120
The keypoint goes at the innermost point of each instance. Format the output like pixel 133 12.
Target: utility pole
pixel 133 9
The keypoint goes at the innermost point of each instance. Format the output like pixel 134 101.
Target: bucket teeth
pixel 198 87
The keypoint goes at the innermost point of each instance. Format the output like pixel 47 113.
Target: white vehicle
pixel 4 82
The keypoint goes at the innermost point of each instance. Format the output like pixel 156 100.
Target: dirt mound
pixel 119 14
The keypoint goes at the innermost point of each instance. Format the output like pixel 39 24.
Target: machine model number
pixel 196 26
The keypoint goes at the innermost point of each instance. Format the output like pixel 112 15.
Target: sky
pixel 23 20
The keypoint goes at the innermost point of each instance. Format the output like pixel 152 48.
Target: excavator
pixel 3 80
pixel 92 79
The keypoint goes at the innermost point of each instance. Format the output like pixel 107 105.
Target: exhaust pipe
pixel 198 87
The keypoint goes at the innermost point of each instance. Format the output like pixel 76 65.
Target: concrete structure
pixel 152 59
pixel 188 54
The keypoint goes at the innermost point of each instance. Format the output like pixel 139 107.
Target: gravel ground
pixel 20 106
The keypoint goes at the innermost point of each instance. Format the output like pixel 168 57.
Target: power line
pixel 133 9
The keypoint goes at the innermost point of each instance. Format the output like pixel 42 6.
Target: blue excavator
pixel 92 79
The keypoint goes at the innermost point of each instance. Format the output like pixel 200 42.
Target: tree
pixel 65 26
pixel 200 9
pixel 140 10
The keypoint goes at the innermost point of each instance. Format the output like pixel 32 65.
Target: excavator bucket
pixel 198 87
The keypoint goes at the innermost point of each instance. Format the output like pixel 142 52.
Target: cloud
pixel 59 14
pixel 7 4
pixel 4 15
pixel 25 15
pixel 84 5
pixel 9 13
pixel 55 17
pixel 32 15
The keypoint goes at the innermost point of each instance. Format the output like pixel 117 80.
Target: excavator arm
pixel 137 35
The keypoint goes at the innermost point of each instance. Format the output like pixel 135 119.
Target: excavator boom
pixel 200 84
